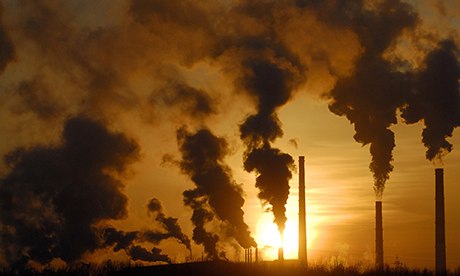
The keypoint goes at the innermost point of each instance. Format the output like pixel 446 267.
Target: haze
pixel 169 131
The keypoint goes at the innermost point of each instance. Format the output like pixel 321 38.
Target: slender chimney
pixel 378 236
pixel 257 255
pixel 440 223
pixel 246 255
pixel 280 254
pixel 302 215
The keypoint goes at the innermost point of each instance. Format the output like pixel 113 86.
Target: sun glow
pixel 268 237
pixel 269 240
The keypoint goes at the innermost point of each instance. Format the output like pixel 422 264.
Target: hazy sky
pixel 106 105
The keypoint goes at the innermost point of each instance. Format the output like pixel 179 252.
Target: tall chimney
pixel 440 223
pixel 302 215
pixel 378 236
pixel 280 254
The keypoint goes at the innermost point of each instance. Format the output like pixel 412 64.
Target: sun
pixel 268 238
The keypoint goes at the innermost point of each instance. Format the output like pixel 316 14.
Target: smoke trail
pixel 200 217
pixel 203 160
pixel 117 238
pixel 121 240
pixel 370 97
pixel 274 169
pixel 192 101
pixel 68 189
pixel 139 253
pixel 271 85
pixel 436 99
pixel 170 224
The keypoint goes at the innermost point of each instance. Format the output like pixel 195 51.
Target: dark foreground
pixel 225 268
pixel 264 268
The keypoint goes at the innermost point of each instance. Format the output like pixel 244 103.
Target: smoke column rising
pixel 436 99
pixel 370 97
pixel 203 156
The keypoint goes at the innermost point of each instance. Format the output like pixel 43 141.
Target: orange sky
pixel 138 60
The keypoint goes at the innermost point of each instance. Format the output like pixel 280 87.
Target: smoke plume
pixel 69 189
pixel 139 253
pixel 436 99
pixel 169 224
pixel 370 97
pixel 271 85
pixel 200 217
pixel 121 240
pixel 270 75
pixel 203 156
pixel 274 171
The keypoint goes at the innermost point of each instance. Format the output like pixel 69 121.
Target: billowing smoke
pixel 121 240
pixel 7 51
pixel 271 73
pixel 169 224
pixel 190 100
pixel 271 85
pixel 370 97
pixel 436 99
pixel 36 97
pixel 274 171
pixel 200 217
pixel 52 197
pixel 140 253
pixel 203 156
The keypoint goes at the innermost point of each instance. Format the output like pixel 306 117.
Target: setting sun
pixel 268 238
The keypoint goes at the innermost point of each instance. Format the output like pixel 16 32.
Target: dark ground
pixel 263 268
pixel 222 268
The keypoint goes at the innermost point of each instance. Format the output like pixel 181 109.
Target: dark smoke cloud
pixel 139 253
pixel 170 224
pixel 7 51
pixel 121 240
pixel 51 198
pixel 37 97
pixel 270 74
pixel 203 156
pixel 200 217
pixel 185 18
pixel 190 100
pixel 370 97
pixel 274 171
pixel 118 239
pixel 436 99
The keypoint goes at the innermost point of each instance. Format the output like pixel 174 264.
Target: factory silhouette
pixel 252 255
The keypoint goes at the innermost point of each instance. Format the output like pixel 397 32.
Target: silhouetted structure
pixel 302 214
pixel 440 222
pixel 378 236
pixel 248 255
pixel 281 254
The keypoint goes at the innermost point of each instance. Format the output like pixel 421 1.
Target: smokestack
pixel 302 215
pixel 280 254
pixel 378 236
pixel 440 222
pixel 246 255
